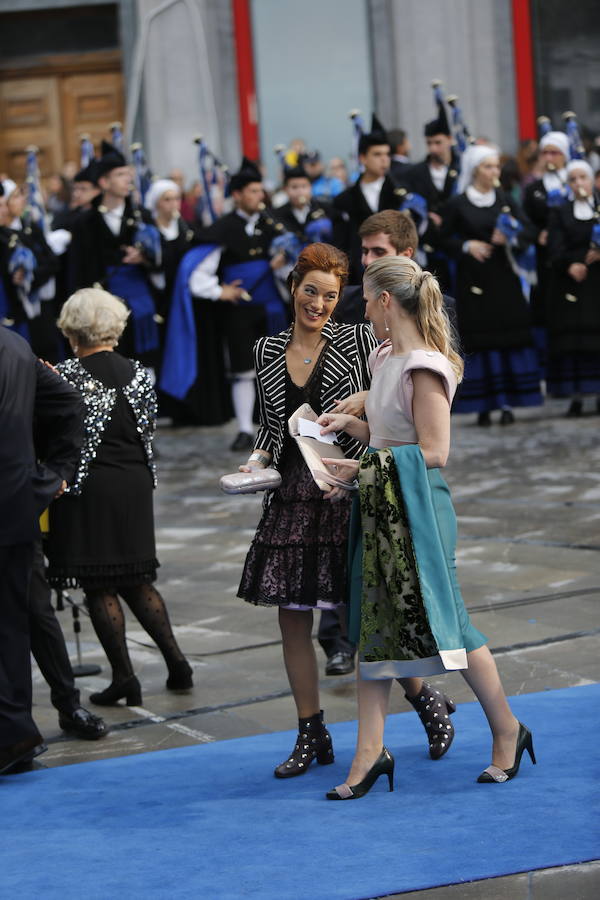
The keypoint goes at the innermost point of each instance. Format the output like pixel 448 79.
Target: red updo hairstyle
pixel 320 258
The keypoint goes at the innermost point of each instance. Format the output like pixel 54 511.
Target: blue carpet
pixel 210 821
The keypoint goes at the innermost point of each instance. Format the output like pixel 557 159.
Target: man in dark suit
pixel 28 391
pixel 373 192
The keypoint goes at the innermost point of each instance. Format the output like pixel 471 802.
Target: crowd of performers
pixel 256 306
pixel 524 275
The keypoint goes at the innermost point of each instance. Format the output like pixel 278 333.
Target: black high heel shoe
pixel 180 676
pixel 130 690
pixel 383 765
pixel 495 774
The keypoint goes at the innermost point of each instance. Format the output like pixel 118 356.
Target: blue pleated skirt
pixel 497 378
pixel 574 373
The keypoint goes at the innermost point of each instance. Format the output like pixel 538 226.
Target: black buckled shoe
pixel 434 710
pixel 83 723
pixel 313 742
pixel 340 663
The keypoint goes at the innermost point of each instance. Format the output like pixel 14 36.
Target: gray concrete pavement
pixel 528 501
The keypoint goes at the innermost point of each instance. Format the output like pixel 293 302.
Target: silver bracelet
pixel 257 456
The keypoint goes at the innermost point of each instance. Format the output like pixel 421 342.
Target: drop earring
pixel 385 324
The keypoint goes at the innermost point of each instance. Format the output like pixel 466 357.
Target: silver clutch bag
pixel 251 482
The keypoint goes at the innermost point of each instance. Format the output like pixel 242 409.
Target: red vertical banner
pixel 242 27
pixel 524 71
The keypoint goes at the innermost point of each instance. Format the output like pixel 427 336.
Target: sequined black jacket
pixel 99 401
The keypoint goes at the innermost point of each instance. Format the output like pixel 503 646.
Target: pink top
pixel 389 401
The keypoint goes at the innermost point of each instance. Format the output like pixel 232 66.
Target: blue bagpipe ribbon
pixel 180 360
pixel 523 262
pixel 21 328
pixel 595 239
pixel 289 244
pixel 146 238
pixel 319 230
pixel 417 205
pixel 129 283
pixel 555 197
pixel 257 279
pixel 24 258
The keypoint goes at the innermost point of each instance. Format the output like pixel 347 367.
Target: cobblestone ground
pixel 528 502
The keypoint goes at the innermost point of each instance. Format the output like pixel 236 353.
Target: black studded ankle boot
pixel 313 742
pixel 434 710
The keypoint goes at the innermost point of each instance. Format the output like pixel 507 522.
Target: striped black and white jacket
pixel 345 372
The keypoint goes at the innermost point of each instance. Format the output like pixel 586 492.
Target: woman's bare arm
pixel 431 414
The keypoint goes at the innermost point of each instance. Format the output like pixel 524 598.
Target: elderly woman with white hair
pixel 102 529
pixel 574 293
pixel 501 364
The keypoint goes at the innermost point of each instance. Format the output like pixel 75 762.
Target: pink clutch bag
pixel 313 451
pixel 251 482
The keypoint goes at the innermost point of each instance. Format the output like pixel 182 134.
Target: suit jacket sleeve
pixel 59 417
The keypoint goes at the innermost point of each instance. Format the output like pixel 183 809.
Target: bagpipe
pixel 35 210
pixel 576 148
pixel 146 236
pixel 212 174
pixel 23 259
pixel 522 261
pixel 544 126
pixel 86 151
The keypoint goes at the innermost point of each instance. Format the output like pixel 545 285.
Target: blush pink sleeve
pixel 378 356
pixel 433 362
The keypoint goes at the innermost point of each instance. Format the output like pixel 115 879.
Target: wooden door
pixel 30 113
pixel 90 103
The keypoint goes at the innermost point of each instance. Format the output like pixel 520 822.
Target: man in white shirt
pixel 373 192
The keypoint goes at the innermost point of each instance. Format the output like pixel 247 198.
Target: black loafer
pixel 243 441
pixel 83 723
pixel 340 664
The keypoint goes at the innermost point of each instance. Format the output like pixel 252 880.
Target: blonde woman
pixel 402 629
pixel 102 529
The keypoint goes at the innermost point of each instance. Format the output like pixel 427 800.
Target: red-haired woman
pixel 297 560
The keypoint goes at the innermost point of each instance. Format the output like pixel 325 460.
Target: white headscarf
pixel 156 190
pixel 580 164
pixel 470 160
pixel 556 139
pixel 8 186
pixel 583 208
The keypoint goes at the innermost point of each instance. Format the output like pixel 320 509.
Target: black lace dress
pixel 298 556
